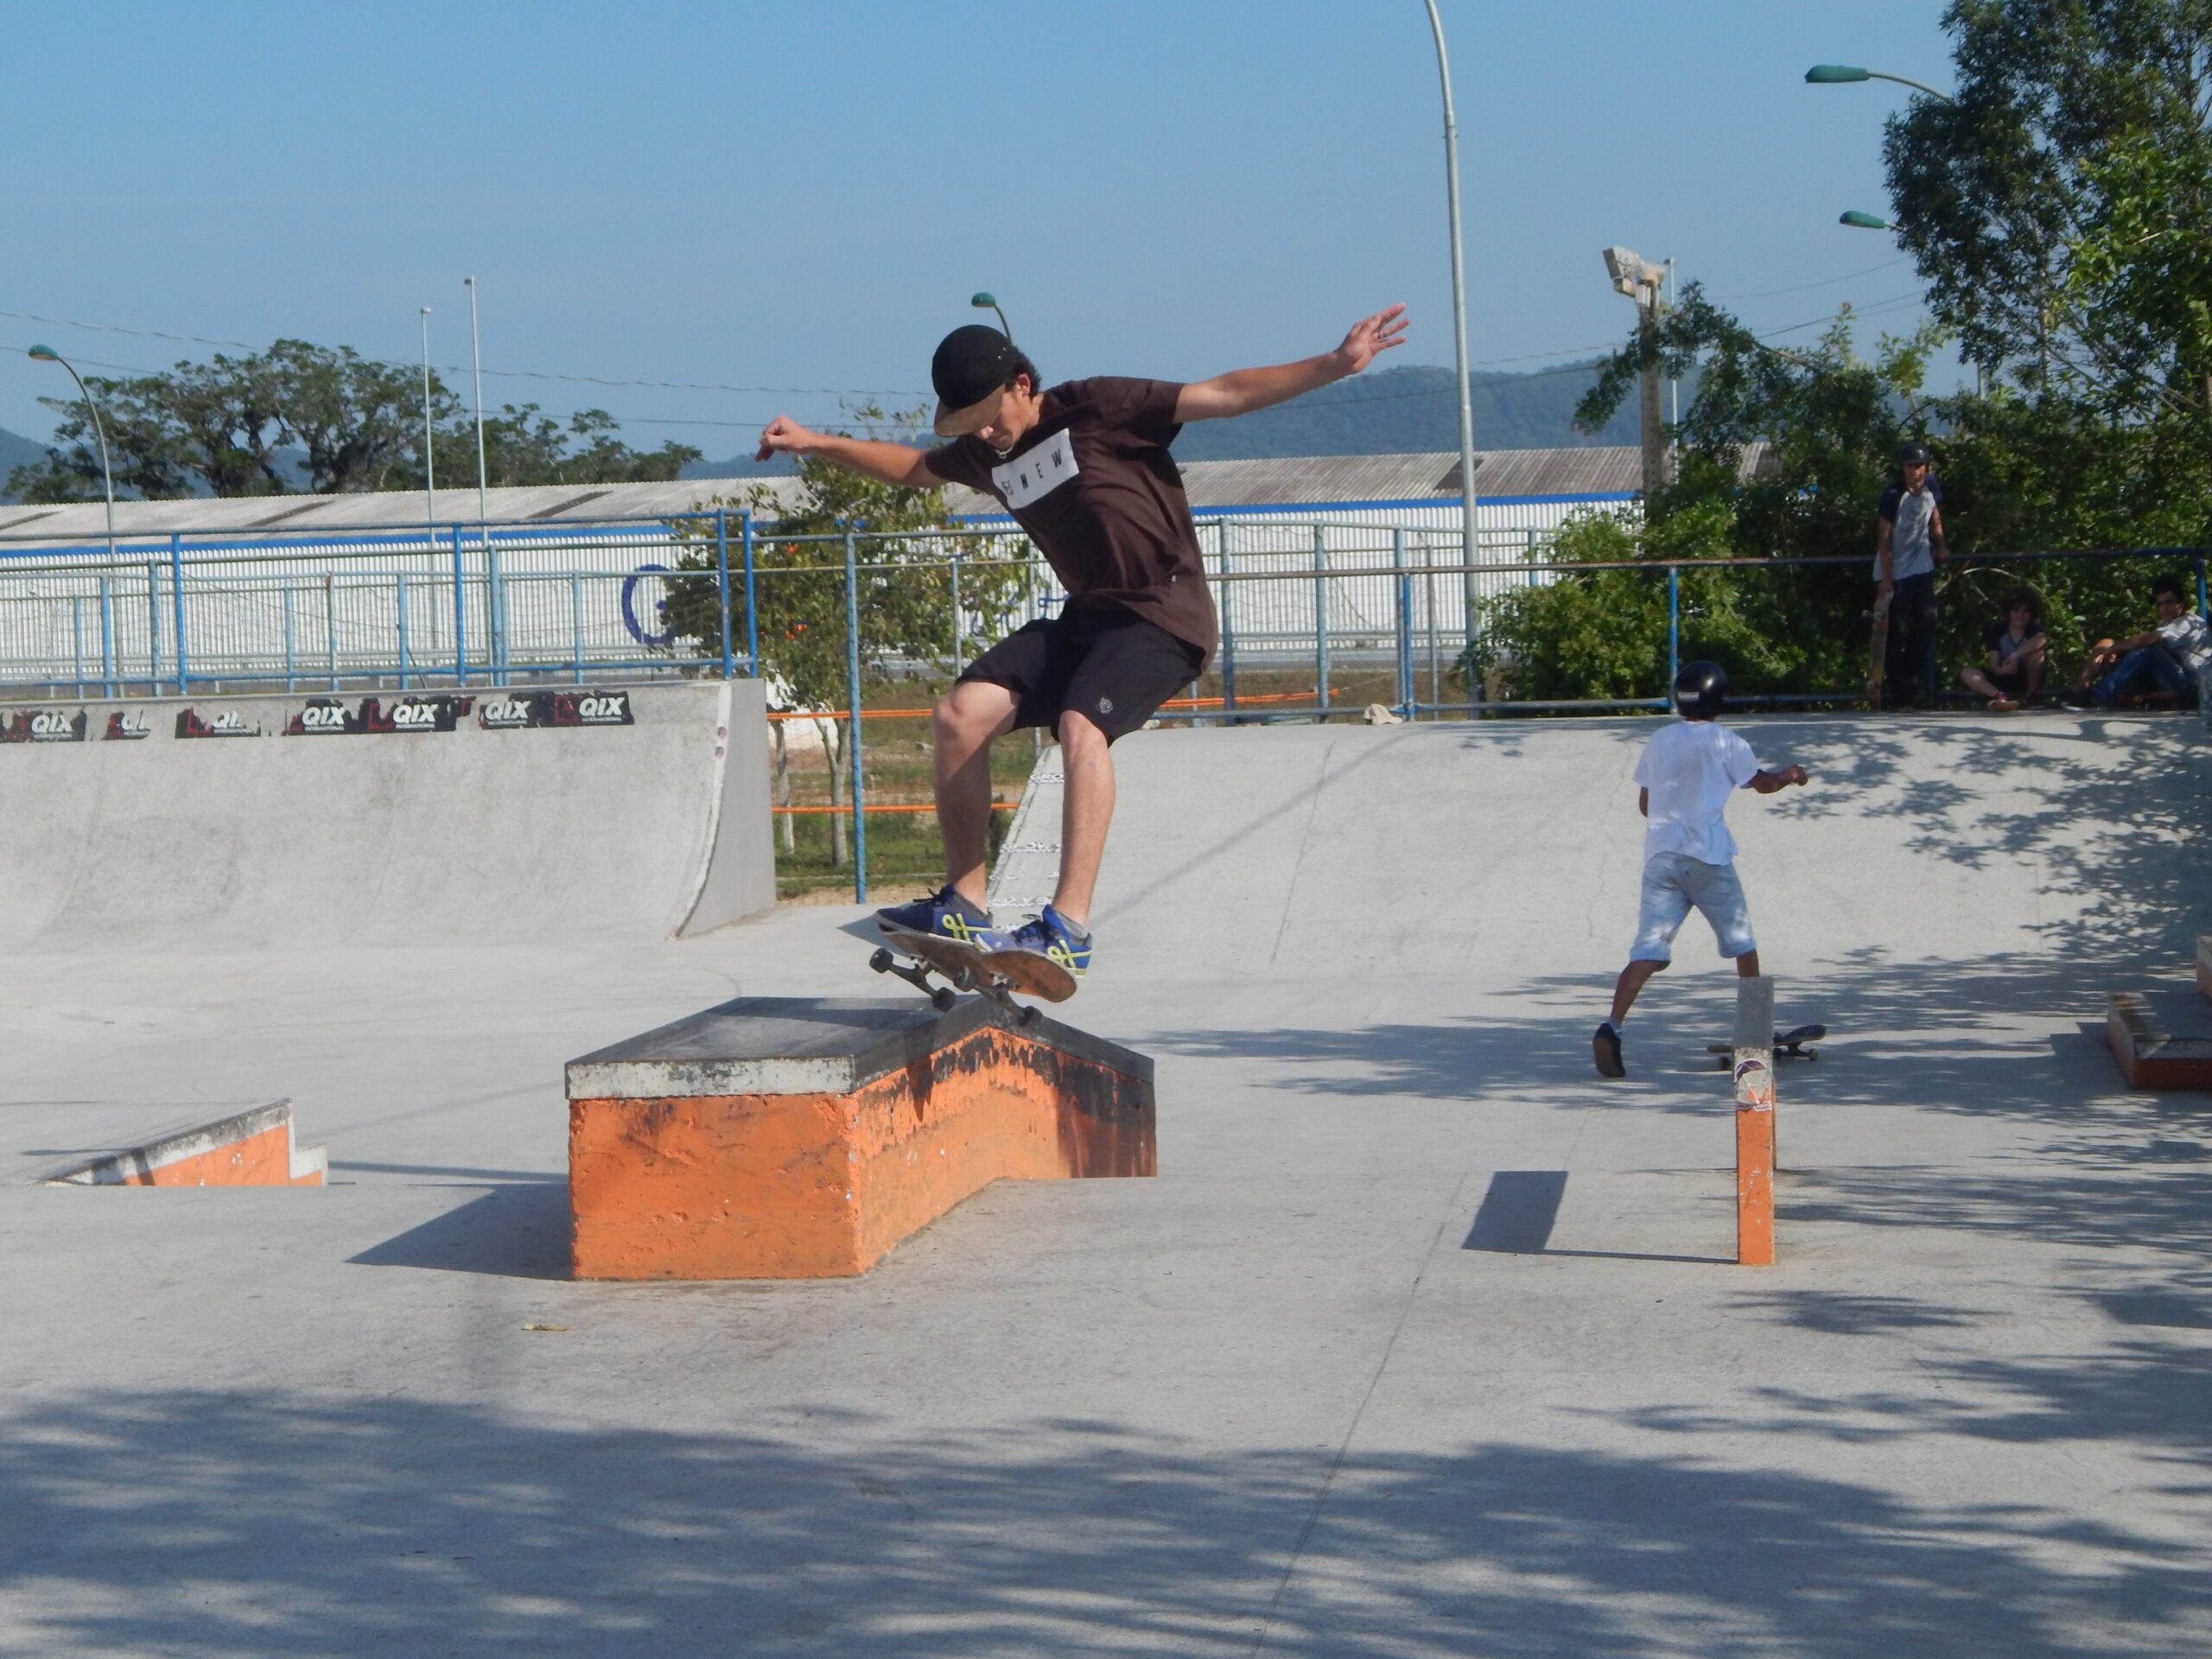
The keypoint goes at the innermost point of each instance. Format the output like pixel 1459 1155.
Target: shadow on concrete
pixel 261 1524
pixel 519 1230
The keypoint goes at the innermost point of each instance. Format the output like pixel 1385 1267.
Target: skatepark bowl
pixel 1423 1339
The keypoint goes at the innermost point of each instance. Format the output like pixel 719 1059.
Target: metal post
pixel 176 603
pixel 430 457
pixel 721 583
pixel 1228 632
pixel 1435 661
pixel 577 622
pixel 107 634
pixel 476 357
pixel 285 594
pixel 495 589
pixel 460 615
pixel 1458 307
pixel 752 613
pixel 1673 628
pixel 153 628
pixel 399 590
pixel 330 623
pixel 959 634
pixel 1754 1074
pixel 1321 613
pixel 1405 624
pixel 853 737
pixel 77 640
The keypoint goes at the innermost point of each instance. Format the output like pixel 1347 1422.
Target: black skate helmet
pixel 1700 688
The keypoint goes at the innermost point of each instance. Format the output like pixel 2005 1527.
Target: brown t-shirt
pixel 1093 484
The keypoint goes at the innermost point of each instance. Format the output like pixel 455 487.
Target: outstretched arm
pixel 1767 782
pixel 1242 391
pixel 894 463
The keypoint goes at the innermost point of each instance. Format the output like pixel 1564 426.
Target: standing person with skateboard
pixel 1083 469
pixel 1687 770
pixel 1908 546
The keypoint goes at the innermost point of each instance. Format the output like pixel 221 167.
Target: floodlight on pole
pixel 988 302
pixel 1860 221
pixel 47 354
pixel 1633 274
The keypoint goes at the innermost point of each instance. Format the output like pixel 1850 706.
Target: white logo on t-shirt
pixel 1038 473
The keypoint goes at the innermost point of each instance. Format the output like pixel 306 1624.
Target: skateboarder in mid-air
pixel 1084 467
pixel 1687 771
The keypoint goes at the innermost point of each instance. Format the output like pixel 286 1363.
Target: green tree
pixel 2056 207
pixel 2020 474
pixel 523 445
pixel 229 426
pixel 905 601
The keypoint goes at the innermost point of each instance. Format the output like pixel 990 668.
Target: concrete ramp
pixel 492 817
pixel 1499 850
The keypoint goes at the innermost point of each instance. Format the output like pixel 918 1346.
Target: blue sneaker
pixel 1054 937
pixel 944 916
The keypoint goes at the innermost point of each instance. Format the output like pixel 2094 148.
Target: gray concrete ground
pixel 1423 1342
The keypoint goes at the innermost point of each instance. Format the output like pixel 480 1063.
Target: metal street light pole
pixel 1458 314
pixel 476 355
pixel 47 354
pixel 430 457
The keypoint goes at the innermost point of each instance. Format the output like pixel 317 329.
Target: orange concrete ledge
pixel 2150 1058
pixel 248 1148
pixel 788 1138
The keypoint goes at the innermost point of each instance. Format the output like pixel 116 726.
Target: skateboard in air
pixel 1788 1045
pixel 996 974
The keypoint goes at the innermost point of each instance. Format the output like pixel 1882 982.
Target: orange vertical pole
pixel 1754 1075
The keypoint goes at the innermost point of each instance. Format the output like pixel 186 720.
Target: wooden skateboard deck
pixel 963 968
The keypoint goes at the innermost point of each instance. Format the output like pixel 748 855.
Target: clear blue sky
pixel 804 194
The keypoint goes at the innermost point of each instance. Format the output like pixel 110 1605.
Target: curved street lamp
pixel 1838 74
pixel 1860 221
pixel 47 354
pixel 988 302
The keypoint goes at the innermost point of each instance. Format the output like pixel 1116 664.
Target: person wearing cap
pixel 1687 771
pixel 1908 546
pixel 1084 467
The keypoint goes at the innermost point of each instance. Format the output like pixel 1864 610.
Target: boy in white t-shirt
pixel 1687 771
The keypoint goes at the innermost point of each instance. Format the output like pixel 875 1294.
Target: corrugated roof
pixel 1288 481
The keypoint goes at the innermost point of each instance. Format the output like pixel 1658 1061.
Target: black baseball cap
pixel 971 363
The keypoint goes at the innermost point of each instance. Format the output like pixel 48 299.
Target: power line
pixel 1825 281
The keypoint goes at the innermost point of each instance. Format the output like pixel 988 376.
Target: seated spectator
pixel 2168 659
pixel 2012 673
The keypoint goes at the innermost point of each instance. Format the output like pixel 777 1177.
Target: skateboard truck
pixel 1788 1045
pixel 963 978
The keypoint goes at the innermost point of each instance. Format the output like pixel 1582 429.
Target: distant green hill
pixel 1392 411
pixel 15 452
pixel 1395 411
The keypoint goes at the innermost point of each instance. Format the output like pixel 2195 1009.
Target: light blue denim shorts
pixel 1676 884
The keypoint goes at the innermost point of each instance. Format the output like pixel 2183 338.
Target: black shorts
pixel 1108 664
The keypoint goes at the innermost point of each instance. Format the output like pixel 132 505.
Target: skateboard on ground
pixel 963 968
pixel 1788 1045
pixel 1878 652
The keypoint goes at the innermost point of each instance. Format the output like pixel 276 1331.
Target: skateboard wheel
pixel 1029 1017
pixel 943 999
pixel 880 961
